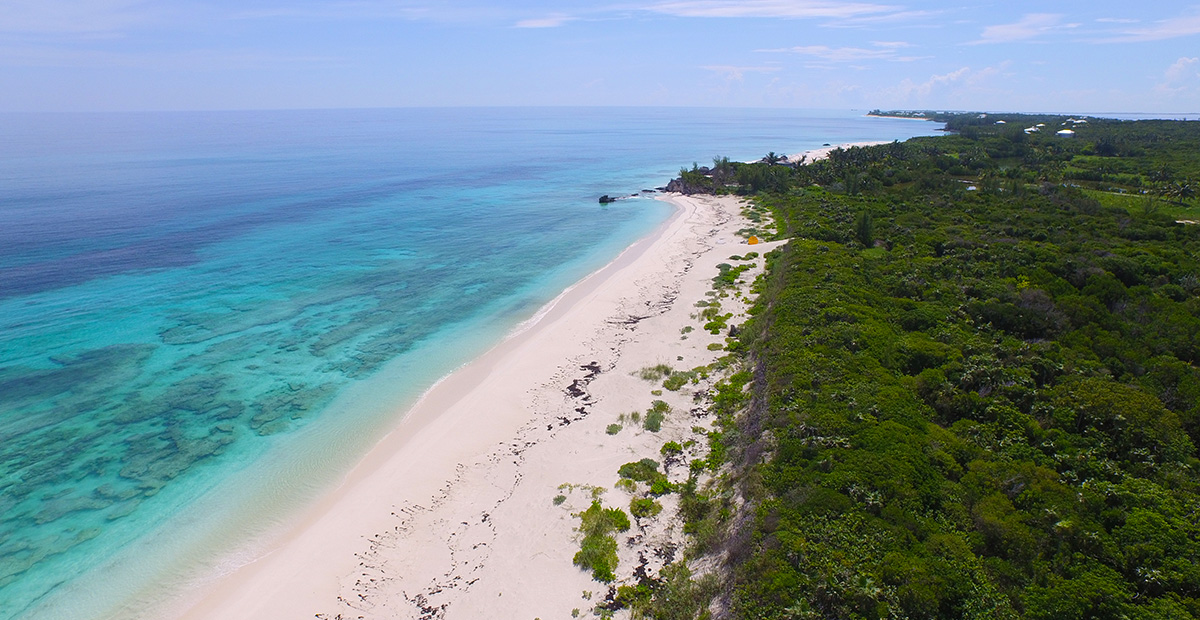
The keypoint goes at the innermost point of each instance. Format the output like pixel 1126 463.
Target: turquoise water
pixel 208 317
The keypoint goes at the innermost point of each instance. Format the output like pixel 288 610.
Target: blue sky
pixel 1015 55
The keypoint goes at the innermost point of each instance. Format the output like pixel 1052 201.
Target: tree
pixel 864 229
pixel 722 172
pixel 1179 191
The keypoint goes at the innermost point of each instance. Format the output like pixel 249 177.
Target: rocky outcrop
pixel 683 187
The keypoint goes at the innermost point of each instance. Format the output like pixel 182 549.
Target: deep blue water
pixel 206 317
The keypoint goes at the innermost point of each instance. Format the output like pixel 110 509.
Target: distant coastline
pixel 909 115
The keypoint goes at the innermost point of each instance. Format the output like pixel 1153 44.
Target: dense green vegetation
pixel 974 390
pixel 598 549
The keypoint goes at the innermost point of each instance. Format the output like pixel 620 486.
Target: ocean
pixel 207 318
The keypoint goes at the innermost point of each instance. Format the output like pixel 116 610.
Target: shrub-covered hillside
pixel 976 392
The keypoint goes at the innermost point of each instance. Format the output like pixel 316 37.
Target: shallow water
pixel 207 317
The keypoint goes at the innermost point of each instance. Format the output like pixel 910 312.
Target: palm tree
pixel 1179 191
pixel 722 171
pixel 1185 190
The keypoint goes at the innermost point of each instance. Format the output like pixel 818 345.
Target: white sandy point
pixel 813 155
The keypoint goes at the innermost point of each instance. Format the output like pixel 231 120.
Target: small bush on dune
pixel 678 379
pixel 644 507
pixel 655 415
pixel 645 470
pixel 598 550
pixel 654 373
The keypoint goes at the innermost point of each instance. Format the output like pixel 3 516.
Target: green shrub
pixel 661 486
pixel 645 470
pixel 613 429
pixel 655 416
pixel 642 507
pixel 678 379
pixel 718 323
pixel 559 499
pixel 679 597
pixel 654 373
pixel 598 554
pixel 598 550
pixel 671 448
pixel 729 275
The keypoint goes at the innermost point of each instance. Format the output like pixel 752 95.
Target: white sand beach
pixel 451 515
pixel 812 155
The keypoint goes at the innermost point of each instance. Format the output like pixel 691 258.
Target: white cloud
pixel 730 72
pixel 70 16
pixel 886 19
pixel 1174 28
pixel 1031 26
pixel 1180 77
pixel 1117 20
pixel 1183 68
pixel 884 50
pixel 837 54
pixel 946 87
pixel 769 8
pixel 344 10
pixel 551 21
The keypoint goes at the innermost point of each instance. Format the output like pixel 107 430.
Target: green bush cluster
pixel 714 321
pixel 657 372
pixel 728 275
pixel 645 470
pixel 598 549
pixel 644 507
pixel 673 595
pixel 655 415
pixel 678 379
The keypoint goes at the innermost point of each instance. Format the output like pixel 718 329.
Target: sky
pixel 1074 56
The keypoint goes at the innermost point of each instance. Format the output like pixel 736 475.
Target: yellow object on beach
pixel 752 240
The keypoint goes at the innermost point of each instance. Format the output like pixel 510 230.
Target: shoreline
pixel 401 496
pixel 452 509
